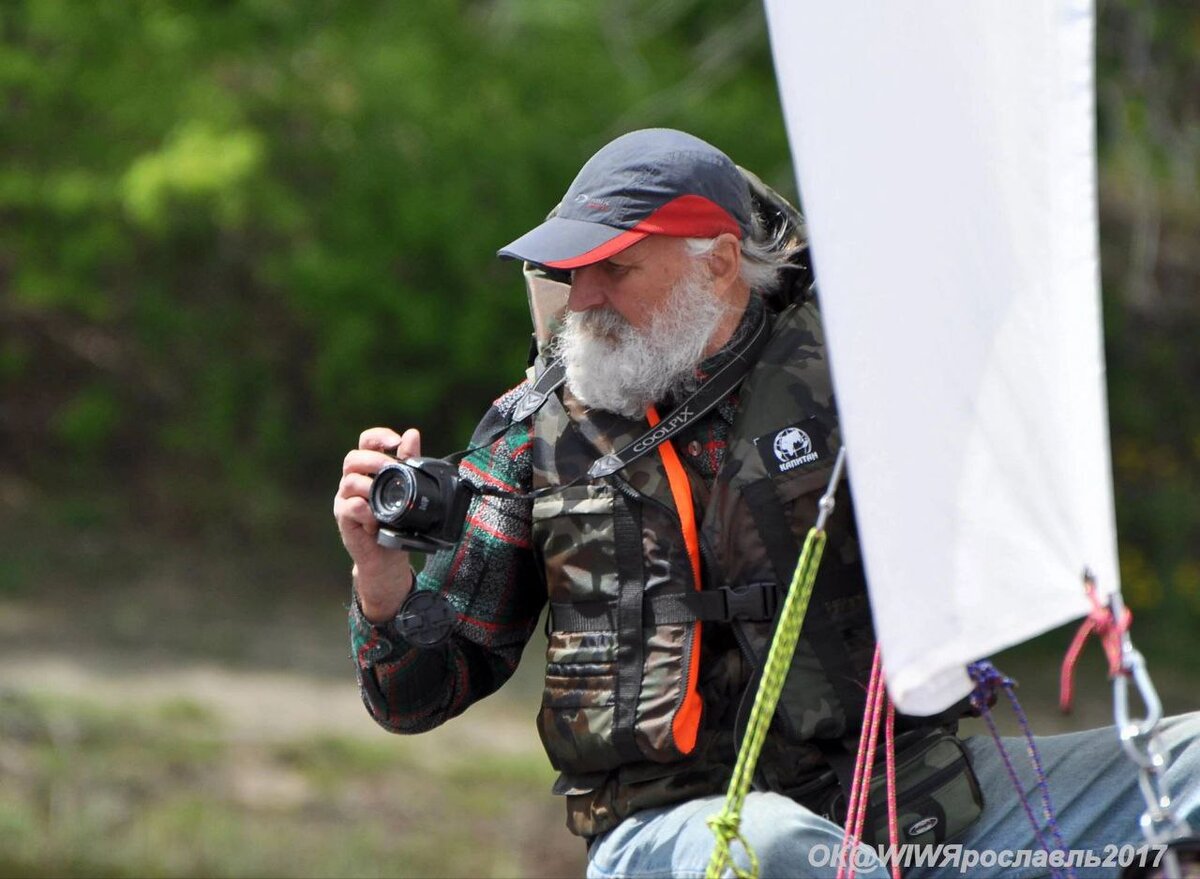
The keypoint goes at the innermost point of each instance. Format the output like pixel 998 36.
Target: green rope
pixel 727 825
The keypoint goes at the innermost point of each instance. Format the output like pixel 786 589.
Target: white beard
pixel 611 365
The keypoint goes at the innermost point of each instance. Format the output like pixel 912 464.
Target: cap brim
pixel 569 244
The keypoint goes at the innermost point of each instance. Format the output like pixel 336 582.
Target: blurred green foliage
pixel 1148 103
pixel 236 233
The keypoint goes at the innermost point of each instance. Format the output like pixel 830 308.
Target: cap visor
pixel 568 244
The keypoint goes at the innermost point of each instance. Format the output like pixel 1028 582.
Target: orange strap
pixel 681 490
pixel 686 724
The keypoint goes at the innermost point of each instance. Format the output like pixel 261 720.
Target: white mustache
pixel 614 366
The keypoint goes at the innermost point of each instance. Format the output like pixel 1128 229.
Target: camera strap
pixel 716 388
pixel 703 400
pixel 536 394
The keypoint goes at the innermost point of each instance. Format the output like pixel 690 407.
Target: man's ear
pixel 725 262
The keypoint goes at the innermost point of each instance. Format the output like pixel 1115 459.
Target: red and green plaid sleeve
pixel 490 579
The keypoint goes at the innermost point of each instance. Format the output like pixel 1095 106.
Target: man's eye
pixel 618 269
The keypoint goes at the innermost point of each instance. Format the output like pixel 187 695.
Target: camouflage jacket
pixel 610 712
pixel 617 715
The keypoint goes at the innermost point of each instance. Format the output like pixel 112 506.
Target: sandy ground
pixel 290 675
pixel 275 705
pixel 264 706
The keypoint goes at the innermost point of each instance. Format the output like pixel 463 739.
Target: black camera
pixel 420 504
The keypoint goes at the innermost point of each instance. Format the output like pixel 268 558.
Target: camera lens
pixel 396 492
pixel 403 496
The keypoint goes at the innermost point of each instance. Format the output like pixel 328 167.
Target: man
pixel 662 558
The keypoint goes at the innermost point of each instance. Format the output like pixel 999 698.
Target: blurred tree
pixel 236 233
pixel 1149 126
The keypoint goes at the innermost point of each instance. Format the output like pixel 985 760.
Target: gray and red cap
pixel 656 181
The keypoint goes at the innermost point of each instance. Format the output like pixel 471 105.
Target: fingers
pixel 350 506
pixel 354 512
pixel 380 439
pixel 353 485
pixel 365 462
pixel 379 446
pixel 410 444
pixel 384 439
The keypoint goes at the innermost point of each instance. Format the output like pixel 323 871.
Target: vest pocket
pixel 573 528
pixel 579 667
pixel 594 717
pixel 578 703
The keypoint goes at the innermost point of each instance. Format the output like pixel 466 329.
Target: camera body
pixel 420 504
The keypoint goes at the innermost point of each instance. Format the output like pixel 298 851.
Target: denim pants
pixel 1092 783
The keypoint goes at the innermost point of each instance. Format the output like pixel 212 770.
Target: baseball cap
pixel 656 181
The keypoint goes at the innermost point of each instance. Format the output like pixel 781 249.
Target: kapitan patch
pixel 795 447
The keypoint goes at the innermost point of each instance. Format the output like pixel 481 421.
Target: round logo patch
pixel 791 444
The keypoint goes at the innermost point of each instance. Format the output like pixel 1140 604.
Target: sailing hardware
pixel 1106 626
pixel 1160 823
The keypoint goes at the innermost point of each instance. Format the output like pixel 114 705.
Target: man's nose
pixel 587 289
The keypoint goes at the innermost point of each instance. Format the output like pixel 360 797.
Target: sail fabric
pixel 946 161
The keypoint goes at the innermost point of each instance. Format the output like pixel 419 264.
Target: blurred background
pixel 234 234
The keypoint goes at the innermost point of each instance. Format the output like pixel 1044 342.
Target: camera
pixel 420 504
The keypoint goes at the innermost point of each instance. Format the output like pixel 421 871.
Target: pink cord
pixel 849 840
pixel 1104 624
pixel 890 752
pixel 864 766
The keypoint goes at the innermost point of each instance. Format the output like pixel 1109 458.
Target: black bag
pixel 937 793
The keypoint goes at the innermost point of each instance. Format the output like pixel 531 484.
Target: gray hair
pixel 764 255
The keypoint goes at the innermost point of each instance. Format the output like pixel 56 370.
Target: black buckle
pixel 751 601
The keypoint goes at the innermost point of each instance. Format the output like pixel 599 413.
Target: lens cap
pixel 426 619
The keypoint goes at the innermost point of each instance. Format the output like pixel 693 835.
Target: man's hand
pixel 382 577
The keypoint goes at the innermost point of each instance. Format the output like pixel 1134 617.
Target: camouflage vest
pixel 620 714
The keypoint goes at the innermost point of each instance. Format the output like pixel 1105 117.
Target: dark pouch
pixel 937 794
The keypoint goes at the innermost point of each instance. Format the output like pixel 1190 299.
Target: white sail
pixel 946 161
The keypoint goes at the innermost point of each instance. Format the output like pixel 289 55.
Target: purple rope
pixel 1036 757
pixel 987 680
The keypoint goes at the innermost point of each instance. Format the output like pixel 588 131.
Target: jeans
pixel 1092 783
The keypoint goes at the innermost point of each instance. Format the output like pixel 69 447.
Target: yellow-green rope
pixel 727 825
